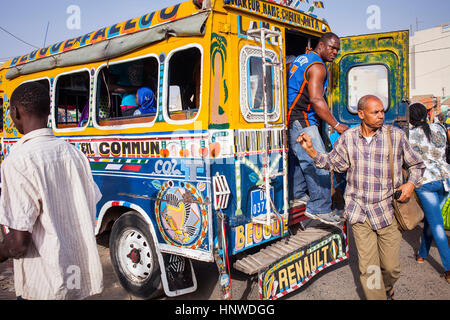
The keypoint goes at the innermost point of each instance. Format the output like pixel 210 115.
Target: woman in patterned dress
pixel 429 140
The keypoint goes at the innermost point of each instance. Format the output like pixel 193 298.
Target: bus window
pixel 71 99
pixel 367 79
pixel 255 84
pixel 183 99
pixel 117 87
pixel 251 84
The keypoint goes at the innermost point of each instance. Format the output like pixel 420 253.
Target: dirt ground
pixel 340 282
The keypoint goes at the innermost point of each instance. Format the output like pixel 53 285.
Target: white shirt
pixel 48 190
pixel 368 139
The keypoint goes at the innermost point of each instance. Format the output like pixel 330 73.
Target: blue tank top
pixel 299 104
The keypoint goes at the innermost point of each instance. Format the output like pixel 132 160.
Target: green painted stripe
pixel 98 165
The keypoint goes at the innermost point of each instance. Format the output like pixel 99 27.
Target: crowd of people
pixel 49 197
pixel 362 154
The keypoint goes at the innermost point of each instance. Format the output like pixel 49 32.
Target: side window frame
pixel 246 53
pixel 166 87
pixel 53 105
pixel 386 68
pixel 123 123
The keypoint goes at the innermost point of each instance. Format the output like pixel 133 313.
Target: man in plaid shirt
pixel 363 152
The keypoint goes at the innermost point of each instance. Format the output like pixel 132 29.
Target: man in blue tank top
pixel 307 81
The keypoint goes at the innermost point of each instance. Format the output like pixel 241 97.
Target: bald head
pixel 364 101
pixel 371 112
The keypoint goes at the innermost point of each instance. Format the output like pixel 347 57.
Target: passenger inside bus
pixel 117 89
pixel 118 84
pixel 145 99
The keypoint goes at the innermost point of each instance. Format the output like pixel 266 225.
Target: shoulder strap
pixel 445 130
pixel 391 155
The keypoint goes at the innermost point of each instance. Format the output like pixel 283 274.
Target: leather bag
pixel 408 214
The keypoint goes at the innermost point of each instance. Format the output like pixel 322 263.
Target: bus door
pixel 375 64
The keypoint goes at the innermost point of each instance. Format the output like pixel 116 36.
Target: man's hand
pixel 305 141
pixel 407 190
pixel 341 128
pixel 15 244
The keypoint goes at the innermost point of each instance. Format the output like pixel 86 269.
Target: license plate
pixel 258 202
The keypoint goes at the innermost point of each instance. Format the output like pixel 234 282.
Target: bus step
pixel 254 263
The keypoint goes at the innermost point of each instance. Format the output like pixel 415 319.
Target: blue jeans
pixel 432 197
pixel 297 182
pixel 316 180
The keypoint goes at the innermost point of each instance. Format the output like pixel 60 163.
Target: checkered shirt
pixel 369 185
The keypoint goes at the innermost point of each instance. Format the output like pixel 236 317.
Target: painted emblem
pixel 181 215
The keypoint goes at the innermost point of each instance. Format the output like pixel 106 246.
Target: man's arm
pixel 336 160
pixel 316 77
pixel 15 245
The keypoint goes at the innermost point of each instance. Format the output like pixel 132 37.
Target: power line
pixel 430 72
pixel 14 36
pixel 418 44
pixel 429 50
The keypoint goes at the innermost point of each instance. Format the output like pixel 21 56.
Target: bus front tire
pixel 134 258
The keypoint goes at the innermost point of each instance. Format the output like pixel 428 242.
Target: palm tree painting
pixel 219 119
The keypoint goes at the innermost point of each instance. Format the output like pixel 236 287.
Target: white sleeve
pixel 20 205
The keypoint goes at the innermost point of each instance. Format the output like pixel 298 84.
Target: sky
pixel 28 19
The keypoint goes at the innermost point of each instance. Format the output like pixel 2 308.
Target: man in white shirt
pixel 48 202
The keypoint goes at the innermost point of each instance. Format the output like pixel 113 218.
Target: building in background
pixel 430 68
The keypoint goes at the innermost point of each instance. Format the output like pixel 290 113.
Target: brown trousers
pixel 378 258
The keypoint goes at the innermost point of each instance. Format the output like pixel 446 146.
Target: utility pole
pixel 46 32
pixel 417 23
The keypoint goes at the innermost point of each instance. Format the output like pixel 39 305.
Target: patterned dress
pixel 432 152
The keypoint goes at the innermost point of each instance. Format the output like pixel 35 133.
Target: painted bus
pixel 204 177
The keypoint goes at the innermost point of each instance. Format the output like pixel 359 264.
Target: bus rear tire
pixel 134 258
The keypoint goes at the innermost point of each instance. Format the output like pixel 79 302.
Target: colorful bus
pixel 204 177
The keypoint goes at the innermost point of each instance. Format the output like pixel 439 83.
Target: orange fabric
pixel 296 99
pixel 306 118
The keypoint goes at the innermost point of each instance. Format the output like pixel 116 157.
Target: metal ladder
pixel 263 34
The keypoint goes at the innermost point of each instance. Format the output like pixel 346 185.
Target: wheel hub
pixel 135 256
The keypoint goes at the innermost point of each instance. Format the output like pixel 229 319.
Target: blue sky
pixel 28 19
